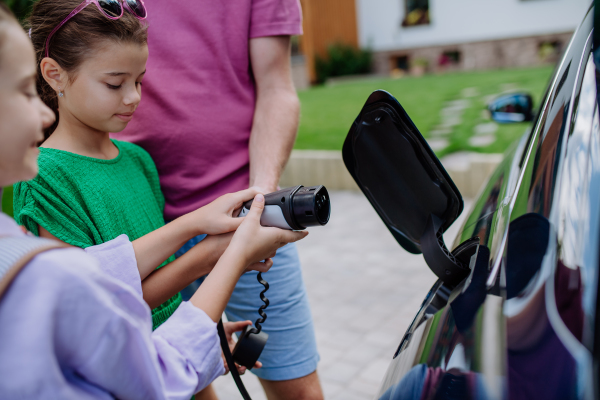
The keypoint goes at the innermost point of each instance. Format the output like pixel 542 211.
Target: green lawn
pixel 328 111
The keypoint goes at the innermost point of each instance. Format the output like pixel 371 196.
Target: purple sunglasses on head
pixel 112 9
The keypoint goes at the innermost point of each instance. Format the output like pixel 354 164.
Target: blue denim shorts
pixel 291 351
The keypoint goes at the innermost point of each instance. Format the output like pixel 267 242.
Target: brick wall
pixel 505 53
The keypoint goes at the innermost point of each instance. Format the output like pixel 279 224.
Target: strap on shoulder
pixel 17 251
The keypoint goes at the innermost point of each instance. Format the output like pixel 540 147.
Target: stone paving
pixel 364 290
pixel 451 116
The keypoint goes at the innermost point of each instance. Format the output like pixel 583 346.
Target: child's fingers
pixel 263 266
pixel 234 223
pixel 257 207
pixel 237 326
pixel 284 236
pixel 225 364
pixel 244 195
pixel 291 236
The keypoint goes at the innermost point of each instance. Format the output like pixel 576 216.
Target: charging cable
pixel 250 343
pixel 261 309
pixel 230 363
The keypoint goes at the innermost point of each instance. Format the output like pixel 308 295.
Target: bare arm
pixel 165 282
pixel 277 110
pixel 153 249
pixel 215 218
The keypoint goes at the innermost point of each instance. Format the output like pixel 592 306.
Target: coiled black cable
pixel 230 363
pixel 225 346
pixel 261 310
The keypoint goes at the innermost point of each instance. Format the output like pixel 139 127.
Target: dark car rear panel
pixel 538 342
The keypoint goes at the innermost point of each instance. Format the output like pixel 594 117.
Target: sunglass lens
pixel 112 8
pixel 137 7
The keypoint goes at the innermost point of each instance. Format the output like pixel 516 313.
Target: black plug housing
pixel 249 346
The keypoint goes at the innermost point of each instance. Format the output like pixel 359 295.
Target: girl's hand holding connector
pixel 251 245
pixel 253 242
pixel 220 216
pixel 230 328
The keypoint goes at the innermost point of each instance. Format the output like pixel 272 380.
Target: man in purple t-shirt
pixel 220 113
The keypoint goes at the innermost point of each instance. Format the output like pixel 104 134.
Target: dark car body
pixel 525 323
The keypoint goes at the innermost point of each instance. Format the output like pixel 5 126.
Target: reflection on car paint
pixel 494 200
pixel 531 336
pixel 444 356
pixel 538 364
pixel 576 269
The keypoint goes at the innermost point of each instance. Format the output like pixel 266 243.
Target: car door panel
pixel 445 354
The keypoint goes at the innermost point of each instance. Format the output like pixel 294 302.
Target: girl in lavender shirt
pixel 74 325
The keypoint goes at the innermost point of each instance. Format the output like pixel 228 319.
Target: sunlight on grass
pixel 328 111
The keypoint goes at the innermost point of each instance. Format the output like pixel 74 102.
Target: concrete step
pixel 469 171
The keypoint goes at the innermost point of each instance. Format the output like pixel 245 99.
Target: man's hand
pixel 230 328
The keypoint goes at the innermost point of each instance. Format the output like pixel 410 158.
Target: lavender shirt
pixel 75 326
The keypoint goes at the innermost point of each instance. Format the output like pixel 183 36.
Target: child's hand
pixel 220 216
pixel 254 243
pixel 230 328
pixel 216 245
pixel 250 245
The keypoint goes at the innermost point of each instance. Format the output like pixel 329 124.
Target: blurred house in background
pixel 466 34
pixel 325 23
pixel 414 36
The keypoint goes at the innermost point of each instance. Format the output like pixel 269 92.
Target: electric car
pixel 514 312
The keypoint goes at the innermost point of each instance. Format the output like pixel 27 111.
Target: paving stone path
pixel 364 290
pixel 451 115
pixel 484 134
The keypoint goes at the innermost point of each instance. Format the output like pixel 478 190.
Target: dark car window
pixel 539 178
pixel 538 153
pixel 541 167
pixel 578 200
pixel 535 157
pixel 557 119
pixel 560 185
pixel 544 271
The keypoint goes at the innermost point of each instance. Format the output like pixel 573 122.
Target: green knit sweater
pixel 87 201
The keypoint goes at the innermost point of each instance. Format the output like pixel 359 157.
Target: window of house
pixel 549 50
pixel 416 13
pixel 399 65
pixel 402 63
pixel 449 57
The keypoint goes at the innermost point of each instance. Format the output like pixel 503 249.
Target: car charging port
pixel 448 268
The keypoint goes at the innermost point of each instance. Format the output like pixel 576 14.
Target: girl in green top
pixel 91 189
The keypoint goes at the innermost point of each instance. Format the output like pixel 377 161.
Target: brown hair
pixel 76 40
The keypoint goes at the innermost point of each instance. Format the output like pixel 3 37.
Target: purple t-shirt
pixel 199 94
